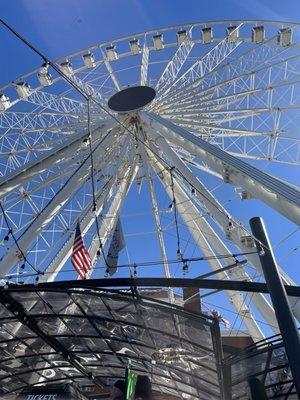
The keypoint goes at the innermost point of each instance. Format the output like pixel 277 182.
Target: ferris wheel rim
pixel 178 182
pixel 149 32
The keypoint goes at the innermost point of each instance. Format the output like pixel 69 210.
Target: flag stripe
pixel 80 257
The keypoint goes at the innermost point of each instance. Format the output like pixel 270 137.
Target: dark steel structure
pixel 87 337
pixel 78 332
pixel 267 361
pixel 279 298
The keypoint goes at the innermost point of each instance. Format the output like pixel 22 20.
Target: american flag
pixel 80 258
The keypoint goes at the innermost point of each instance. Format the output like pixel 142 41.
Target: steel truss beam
pixel 277 194
pixel 200 68
pixel 59 154
pixel 57 103
pixel 144 65
pixel 155 212
pixel 43 218
pixel 36 121
pixel 92 92
pixel 87 218
pixel 110 220
pixel 236 70
pixel 209 242
pixel 173 67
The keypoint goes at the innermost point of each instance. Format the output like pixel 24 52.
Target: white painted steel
pixel 234 95
pixel 272 191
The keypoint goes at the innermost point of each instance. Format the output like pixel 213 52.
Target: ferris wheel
pixel 188 116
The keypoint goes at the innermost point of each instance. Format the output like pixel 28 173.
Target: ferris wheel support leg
pixel 198 228
pixel 87 218
pixel 272 191
pixel 58 154
pixel 12 257
pixel 157 219
pixel 109 222
pixel 288 328
pixel 85 223
pixel 217 212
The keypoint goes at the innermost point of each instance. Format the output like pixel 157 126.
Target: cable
pixel 179 254
pixel 87 97
pixel 10 231
pixel 93 181
pixel 151 263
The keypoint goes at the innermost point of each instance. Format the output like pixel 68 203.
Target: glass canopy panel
pixel 72 332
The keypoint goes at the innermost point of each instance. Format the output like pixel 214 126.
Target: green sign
pixel 131 383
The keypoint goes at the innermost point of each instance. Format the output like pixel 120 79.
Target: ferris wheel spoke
pixel 219 246
pixel 91 91
pixel 278 195
pixel 63 247
pixel 156 216
pixel 267 63
pixel 35 120
pixel 52 209
pixel 233 230
pixel 213 112
pixel 110 220
pixel 200 230
pixel 36 167
pixel 12 257
pixel 111 72
pixel 201 67
pixel 174 66
pixel 226 98
pixel 53 102
pixel 144 64
pixel 211 130
pixel 275 73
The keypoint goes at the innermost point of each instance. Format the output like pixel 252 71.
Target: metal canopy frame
pixel 253 287
pixel 268 361
pixel 89 335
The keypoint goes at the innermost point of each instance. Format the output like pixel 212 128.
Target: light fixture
pixel 4 102
pixel 66 68
pixel 44 76
pixel 185 268
pixel 232 33
pixel 89 60
pixel 158 41
pixel 23 89
pixel 181 37
pixel 170 355
pixel 134 46
pixel 111 53
pixel 207 35
pixel 258 34
pixel 284 37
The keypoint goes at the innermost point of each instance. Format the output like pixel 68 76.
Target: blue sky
pixel 60 27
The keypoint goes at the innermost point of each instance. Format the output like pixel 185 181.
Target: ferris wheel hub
pixel 132 98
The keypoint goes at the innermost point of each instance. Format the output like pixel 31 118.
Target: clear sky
pixel 60 27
